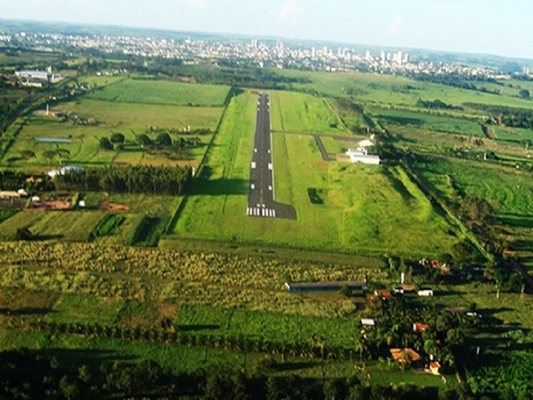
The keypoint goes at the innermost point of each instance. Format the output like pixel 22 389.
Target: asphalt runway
pixel 261 199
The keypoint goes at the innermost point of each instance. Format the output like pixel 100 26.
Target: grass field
pixel 509 187
pixel 355 197
pixel 163 92
pixel 432 122
pixel 129 119
pixel 273 328
pixel 85 309
pixel 398 90
pixel 73 226
pixel 297 112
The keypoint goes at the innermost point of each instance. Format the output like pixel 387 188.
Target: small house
pixel 368 323
pixel 419 327
pixel 434 368
pixel 384 294
pixel 425 292
pixel 400 355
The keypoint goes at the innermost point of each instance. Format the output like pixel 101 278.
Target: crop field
pixel 353 198
pixel 73 226
pixel 511 188
pixel 82 140
pixel 397 90
pixel 274 328
pixel 163 92
pixel 85 309
pixel 301 113
pixel 432 122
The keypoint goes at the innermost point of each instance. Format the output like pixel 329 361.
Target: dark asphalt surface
pixel 261 201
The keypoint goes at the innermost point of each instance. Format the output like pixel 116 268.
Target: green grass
pixel 163 92
pixel 73 226
pixel 436 123
pixel 271 327
pixel 367 208
pixel 137 313
pixel 509 187
pixel 297 112
pixel 129 119
pixel 384 89
pixel 85 309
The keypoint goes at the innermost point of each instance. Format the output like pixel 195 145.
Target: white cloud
pixel 397 26
pixel 291 11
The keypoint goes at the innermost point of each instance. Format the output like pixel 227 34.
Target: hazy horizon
pixel 469 26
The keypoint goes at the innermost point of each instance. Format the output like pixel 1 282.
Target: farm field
pixel 432 122
pixel 302 113
pixel 397 90
pixel 75 226
pixel 163 92
pixel 81 141
pixel 511 188
pixel 83 310
pixel 345 219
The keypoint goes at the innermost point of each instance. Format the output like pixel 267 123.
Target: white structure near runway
pixel 360 155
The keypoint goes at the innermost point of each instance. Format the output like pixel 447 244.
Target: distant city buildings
pixel 267 53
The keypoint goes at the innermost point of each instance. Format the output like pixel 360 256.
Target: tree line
pixel 32 374
pixel 127 179
pixel 507 116
pixel 15 180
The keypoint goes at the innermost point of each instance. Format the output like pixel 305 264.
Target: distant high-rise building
pixel 399 58
pixel 383 57
pixel 313 52
pixel 254 43
pixel 325 51
pixel 406 58
pixel 367 56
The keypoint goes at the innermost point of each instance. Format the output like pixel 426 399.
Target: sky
pixel 471 26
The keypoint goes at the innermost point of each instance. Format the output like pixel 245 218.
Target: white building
pixel 35 75
pixel 360 155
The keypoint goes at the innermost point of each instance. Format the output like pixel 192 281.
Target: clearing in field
pixel 361 208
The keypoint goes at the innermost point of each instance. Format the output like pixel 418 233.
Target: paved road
pixel 261 201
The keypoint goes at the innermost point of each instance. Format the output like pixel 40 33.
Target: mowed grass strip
pixel 299 112
pixel 85 309
pixel 163 92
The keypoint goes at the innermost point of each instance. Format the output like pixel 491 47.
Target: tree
pixel 144 140
pixel 524 93
pixel 27 154
pixel 69 389
pixel 84 373
pixel 164 140
pixel 335 389
pixel 49 155
pixel 117 138
pixel 346 291
pixel 106 144
pixel 61 154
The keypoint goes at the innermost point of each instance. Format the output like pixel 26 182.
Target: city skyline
pixel 472 26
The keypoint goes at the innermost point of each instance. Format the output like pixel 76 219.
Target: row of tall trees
pixel 127 179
